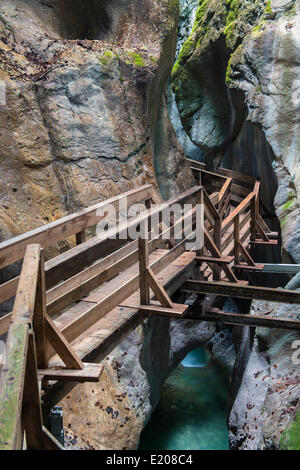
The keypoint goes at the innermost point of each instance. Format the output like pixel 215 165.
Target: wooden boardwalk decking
pixel 74 309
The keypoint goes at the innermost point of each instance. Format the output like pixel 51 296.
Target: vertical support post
pixel 143 268
pixel 237 239
pixel 253 220
pixel 39 316
pixel 31 409
pixel 201 202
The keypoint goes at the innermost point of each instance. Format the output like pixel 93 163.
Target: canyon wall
pixel 237 89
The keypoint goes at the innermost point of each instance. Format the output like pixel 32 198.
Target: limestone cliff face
pixel 81 87
pixel 236 83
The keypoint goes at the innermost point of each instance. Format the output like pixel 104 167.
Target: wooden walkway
pixel 74 309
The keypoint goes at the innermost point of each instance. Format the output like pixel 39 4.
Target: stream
pixel 192 411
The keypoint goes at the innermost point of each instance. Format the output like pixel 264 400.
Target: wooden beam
pixel 38 317
pixel 31 406
pixel 158 290
pixel 143 271
pixel 211 259
pixel 247 267
pixel 89 373
pixel 228 289
pixel 61 345
pixel 176 311
pixel 26 292
pixel 11 398
pixel 217 315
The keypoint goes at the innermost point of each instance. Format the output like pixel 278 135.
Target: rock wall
pixel 83 88
pixel 83 117
pixel 236 83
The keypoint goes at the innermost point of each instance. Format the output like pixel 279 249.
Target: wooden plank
pixel 89 373
pixel 50 234
pixel 247 267
pixel 196 165
pixel 176 311
pixel 217 254
pixel 228 289
pixel 217 315
pixel 211 259
pixel 12 389
pixel 74 260
pixel 79 285
pixel 61 345
pixel 258 241
pixel 158 290
pixel 97 342
pixel 241 207
pixel 26 292
pixel 38 317
pixel 8 289
pixel 31 406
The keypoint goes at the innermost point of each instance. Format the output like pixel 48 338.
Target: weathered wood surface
pixel 89 373
pixel 228 289
pixel 11 435
pixel 95 343
pixel 47 235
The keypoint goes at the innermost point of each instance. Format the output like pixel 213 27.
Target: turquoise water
pixel 192 411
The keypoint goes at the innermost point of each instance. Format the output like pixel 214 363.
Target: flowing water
pixel 192 411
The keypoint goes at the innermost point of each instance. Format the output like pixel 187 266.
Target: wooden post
pixel 38 317
pixel 143 271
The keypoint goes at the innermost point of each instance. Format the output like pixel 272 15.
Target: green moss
pixel 135 59
pixel 290 438
pixel 228 71
pixel 106 58
pixel 287 205
pixel 268 8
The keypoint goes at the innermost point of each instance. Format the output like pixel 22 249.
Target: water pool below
pixel 192 411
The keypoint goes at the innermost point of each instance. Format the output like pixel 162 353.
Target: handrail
pixel 55 265
pixel 12 388
pixel 47 235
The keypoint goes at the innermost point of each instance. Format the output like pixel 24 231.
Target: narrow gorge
pixel 98 98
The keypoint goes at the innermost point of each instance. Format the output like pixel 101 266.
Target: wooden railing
pixel 38 348
pixel 72 225
pixel 20 408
